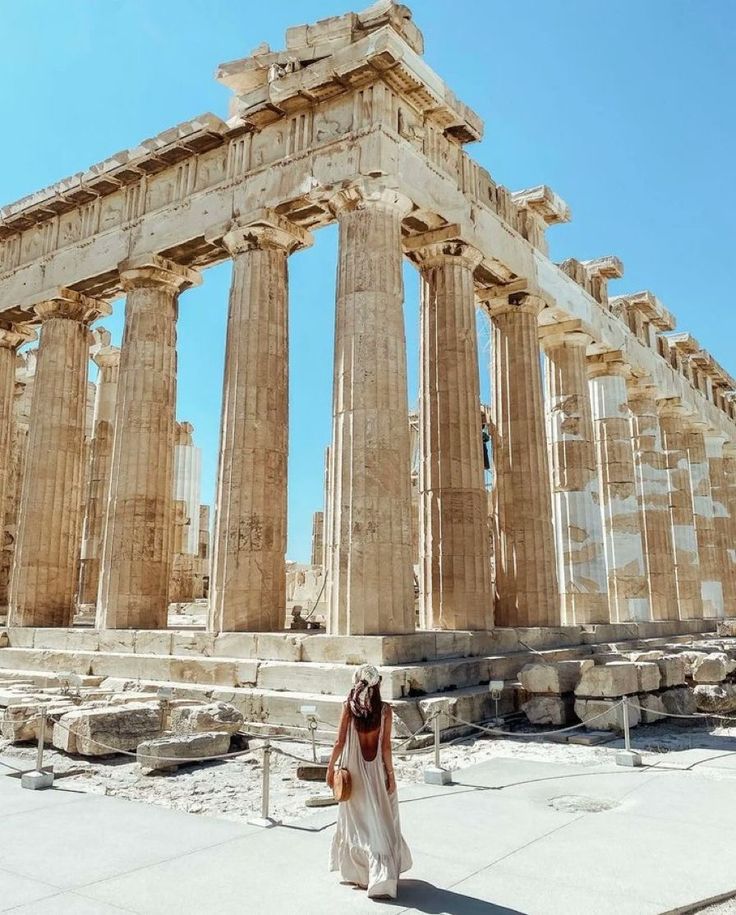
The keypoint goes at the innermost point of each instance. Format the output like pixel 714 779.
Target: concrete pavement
pixel 513 836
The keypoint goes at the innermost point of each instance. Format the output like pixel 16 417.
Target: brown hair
pixel 365 706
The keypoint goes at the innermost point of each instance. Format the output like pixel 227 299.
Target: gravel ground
pixel 232 790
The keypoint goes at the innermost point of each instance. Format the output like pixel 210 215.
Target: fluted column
pixel 714 449
pixel 11 337
pixel 107 360
pixel 455 565
pixel 137 550
pixel 653 493
pixel 249 569
pixel 729 498
pixel 43 578
pixel 526 575
pixel 672 417
pixel 705 527
pixel 628 589
pixel 581 564
pixel 369 545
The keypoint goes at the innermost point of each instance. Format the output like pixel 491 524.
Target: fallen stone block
pixel 652 708
pixel 195 719
pixel 726 628
pixel 316 772
pixel 555 678
pixel 619 678
pixel 605 714
pixel 709 668
pixel 555 710
pixel 717 698
pixel 102 731
pixel 21 723
pixel 645 655
pixel 648 677
pixel 672 671
pixel 679 701
pixel 174 750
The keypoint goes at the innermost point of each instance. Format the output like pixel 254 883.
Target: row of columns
pixel 606 507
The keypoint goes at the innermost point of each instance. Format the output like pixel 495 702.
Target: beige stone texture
pixel 728 527
pixel 653 494
pixel 102 731
pixel 687 558
pixel 709 668
pixel 137 550
pixel 679 701
pixel 605 714
pixel 652 708
pixel 249 571
pixel 201 718
pixel 672 670
pixel 648 676
pixel 628 587
pixel 557 678
pixel 454 560
pixel 618 678
pixel 718 699
pixel 156 755
pixel 318 542
pixel 526 576
pixel 369 545
pixel 725 543
pixel 553 710
pixel 578 528
pixel 43 581
pixel 107 359
pixel 705 528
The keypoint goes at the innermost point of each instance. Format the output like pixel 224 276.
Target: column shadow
pixel 421 896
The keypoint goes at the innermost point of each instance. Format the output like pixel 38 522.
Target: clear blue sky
pixel 626 109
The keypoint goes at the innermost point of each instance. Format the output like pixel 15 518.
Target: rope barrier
pixel 497 733
pixel 700 716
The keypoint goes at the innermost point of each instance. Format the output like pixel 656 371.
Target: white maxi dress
pixel 368 848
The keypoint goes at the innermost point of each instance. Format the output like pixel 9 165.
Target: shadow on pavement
pixel 424 897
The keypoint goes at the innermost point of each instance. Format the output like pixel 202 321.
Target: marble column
pixel 526 574
pixel 724 543
pixel 455 564
pixel 672 418
pixel 11 337
pixel 653 493
pixel 137 548
pixel 581 564
pixel 705 528
pixel 628 589
pixel 107 359
pixel 729 498
pixel 249 568
pixel 369 545
pixel 43 578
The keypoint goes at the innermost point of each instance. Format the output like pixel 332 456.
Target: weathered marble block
pixel 672 671
pixel 709 668
pixel 679 701
pixel 718 698
pixel 100 732
pixel 194 719
pixel 618 678
pixel 610 712
pixel 648 676
pixel 157 754
pixel 652 708
pixel 560 677
pixel 554 710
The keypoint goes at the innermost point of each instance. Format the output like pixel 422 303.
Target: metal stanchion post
pixel 265 821
pixel 435 774
pixel 40 778
pixel 627 756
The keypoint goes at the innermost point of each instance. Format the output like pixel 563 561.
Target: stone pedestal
pixel 369 548
pixel 136 556
pixel 687 560
pixel 249 571
pixel 43 579
pixel 653 493
pixel 107 360
pixel 628 588
pixel 581 564
pixel 455 568
pixel 711 584
pixel 526 579
pixel 723 522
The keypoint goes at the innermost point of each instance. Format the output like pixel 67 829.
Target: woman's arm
pixel 386 753
pixel 342 734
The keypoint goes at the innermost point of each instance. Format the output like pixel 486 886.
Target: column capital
pixel 265 228
pixel 14 335
pixel 72 306
pixel 565 334
pixel 517 303
pixel 106 357
pixel 641 387
pixel 442 246
pixel 146 270
pixel 608 363
pixel 673 406
pixel 729 449
pixel 370 193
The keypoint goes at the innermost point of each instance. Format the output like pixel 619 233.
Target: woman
pixel 368 848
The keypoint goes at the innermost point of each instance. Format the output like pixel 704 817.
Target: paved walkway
pixel 514 836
